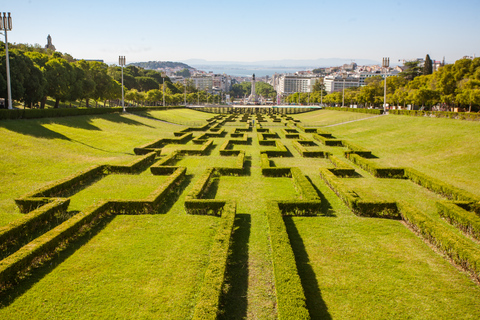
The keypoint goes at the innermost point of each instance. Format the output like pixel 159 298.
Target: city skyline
pixel 249 31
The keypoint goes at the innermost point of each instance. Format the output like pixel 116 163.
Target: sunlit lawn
pixel 152 266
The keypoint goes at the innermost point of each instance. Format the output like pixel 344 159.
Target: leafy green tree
pixel 183 73
pixel 146 83
pixel 412 70
pixel 265 90
pixel 59 76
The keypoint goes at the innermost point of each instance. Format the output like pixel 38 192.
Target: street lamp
pixel 344 76
pixel 385 65
pixel 6 25
pixel 121 62
pixel 163 86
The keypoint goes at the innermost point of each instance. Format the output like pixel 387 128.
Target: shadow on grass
pixel 233 302
pixel 32 128
pixel 326 208
pixel 10 295
pixel 174 195
pixel 315 304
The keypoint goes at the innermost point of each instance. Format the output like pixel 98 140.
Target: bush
pixel 455 246
pixel 361 207
pixel 291 300
pixel 328 141
pixel 438 114
pixel 17 233
pixel 468 222
pixel 374 169
pixel 440 187
pixel 359 110
pixel 300 146
pixel 34 199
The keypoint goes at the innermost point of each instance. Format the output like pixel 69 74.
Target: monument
pixel 49 44
pixel 252 99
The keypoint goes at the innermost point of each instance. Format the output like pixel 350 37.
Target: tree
pixel 412 70
pixel 59 76
pixel 183 73
pixel 146 83
pixel 428 66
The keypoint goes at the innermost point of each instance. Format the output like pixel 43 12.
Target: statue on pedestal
pixel 49 44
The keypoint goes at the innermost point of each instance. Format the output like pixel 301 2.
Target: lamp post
pixel 385 65
pixel 121 62
pixel 6 25
pixel 163 86
pixel 344 76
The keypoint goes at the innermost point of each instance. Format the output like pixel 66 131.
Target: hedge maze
pixel 231 143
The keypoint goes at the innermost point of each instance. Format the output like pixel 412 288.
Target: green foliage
pixel 288 286
pixel 209 298
pixel 468 222
pixel 454 246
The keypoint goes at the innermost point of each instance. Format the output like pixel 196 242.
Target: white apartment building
pixel 291 83
pixel 211 82
pixel 202 81
pixel 336 83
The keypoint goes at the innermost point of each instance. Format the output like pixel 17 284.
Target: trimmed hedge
pixel 238 169
pixel 135 166
pixel 299 207
pixel 359 110
pixel 468 222
pixel 291 299
pixel 37 198
pixel 299 145
pixel 42 248
pixel 457 247
pixel 439 186
pixel 14 235
pixel 306 129
pixel 202 151
pixel 361 207
pixel 437 114
pixel 160 143
pixel 328 141
pixel 280 151
pixel 307 191
pixel 353 148
pixel 202 184
pixel 374 169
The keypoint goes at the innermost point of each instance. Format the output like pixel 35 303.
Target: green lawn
pixel 152 266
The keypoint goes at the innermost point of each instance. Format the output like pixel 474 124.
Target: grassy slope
pixel 36 152
pixel 152 266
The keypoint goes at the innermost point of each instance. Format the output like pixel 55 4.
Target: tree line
pixel 453 85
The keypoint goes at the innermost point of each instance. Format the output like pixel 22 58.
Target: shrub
pixel 17 233
pixel 468 222
pixel 455 246
pixel 439 187
pixel 289 291
pixel 374 169
pixel 359 110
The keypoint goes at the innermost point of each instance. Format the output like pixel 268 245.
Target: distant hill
pixel 154 65
pixel 286 63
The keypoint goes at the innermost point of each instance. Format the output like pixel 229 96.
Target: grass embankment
pixel 185 116
pixel 152 266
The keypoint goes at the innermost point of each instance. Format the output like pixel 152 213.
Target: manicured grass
pixel 152 266
pixel 138 267
pixel 126 187
pixel 329 117
pixel 179 116
pixel 36 152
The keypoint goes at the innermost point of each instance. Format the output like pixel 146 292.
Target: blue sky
pixel 248 30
